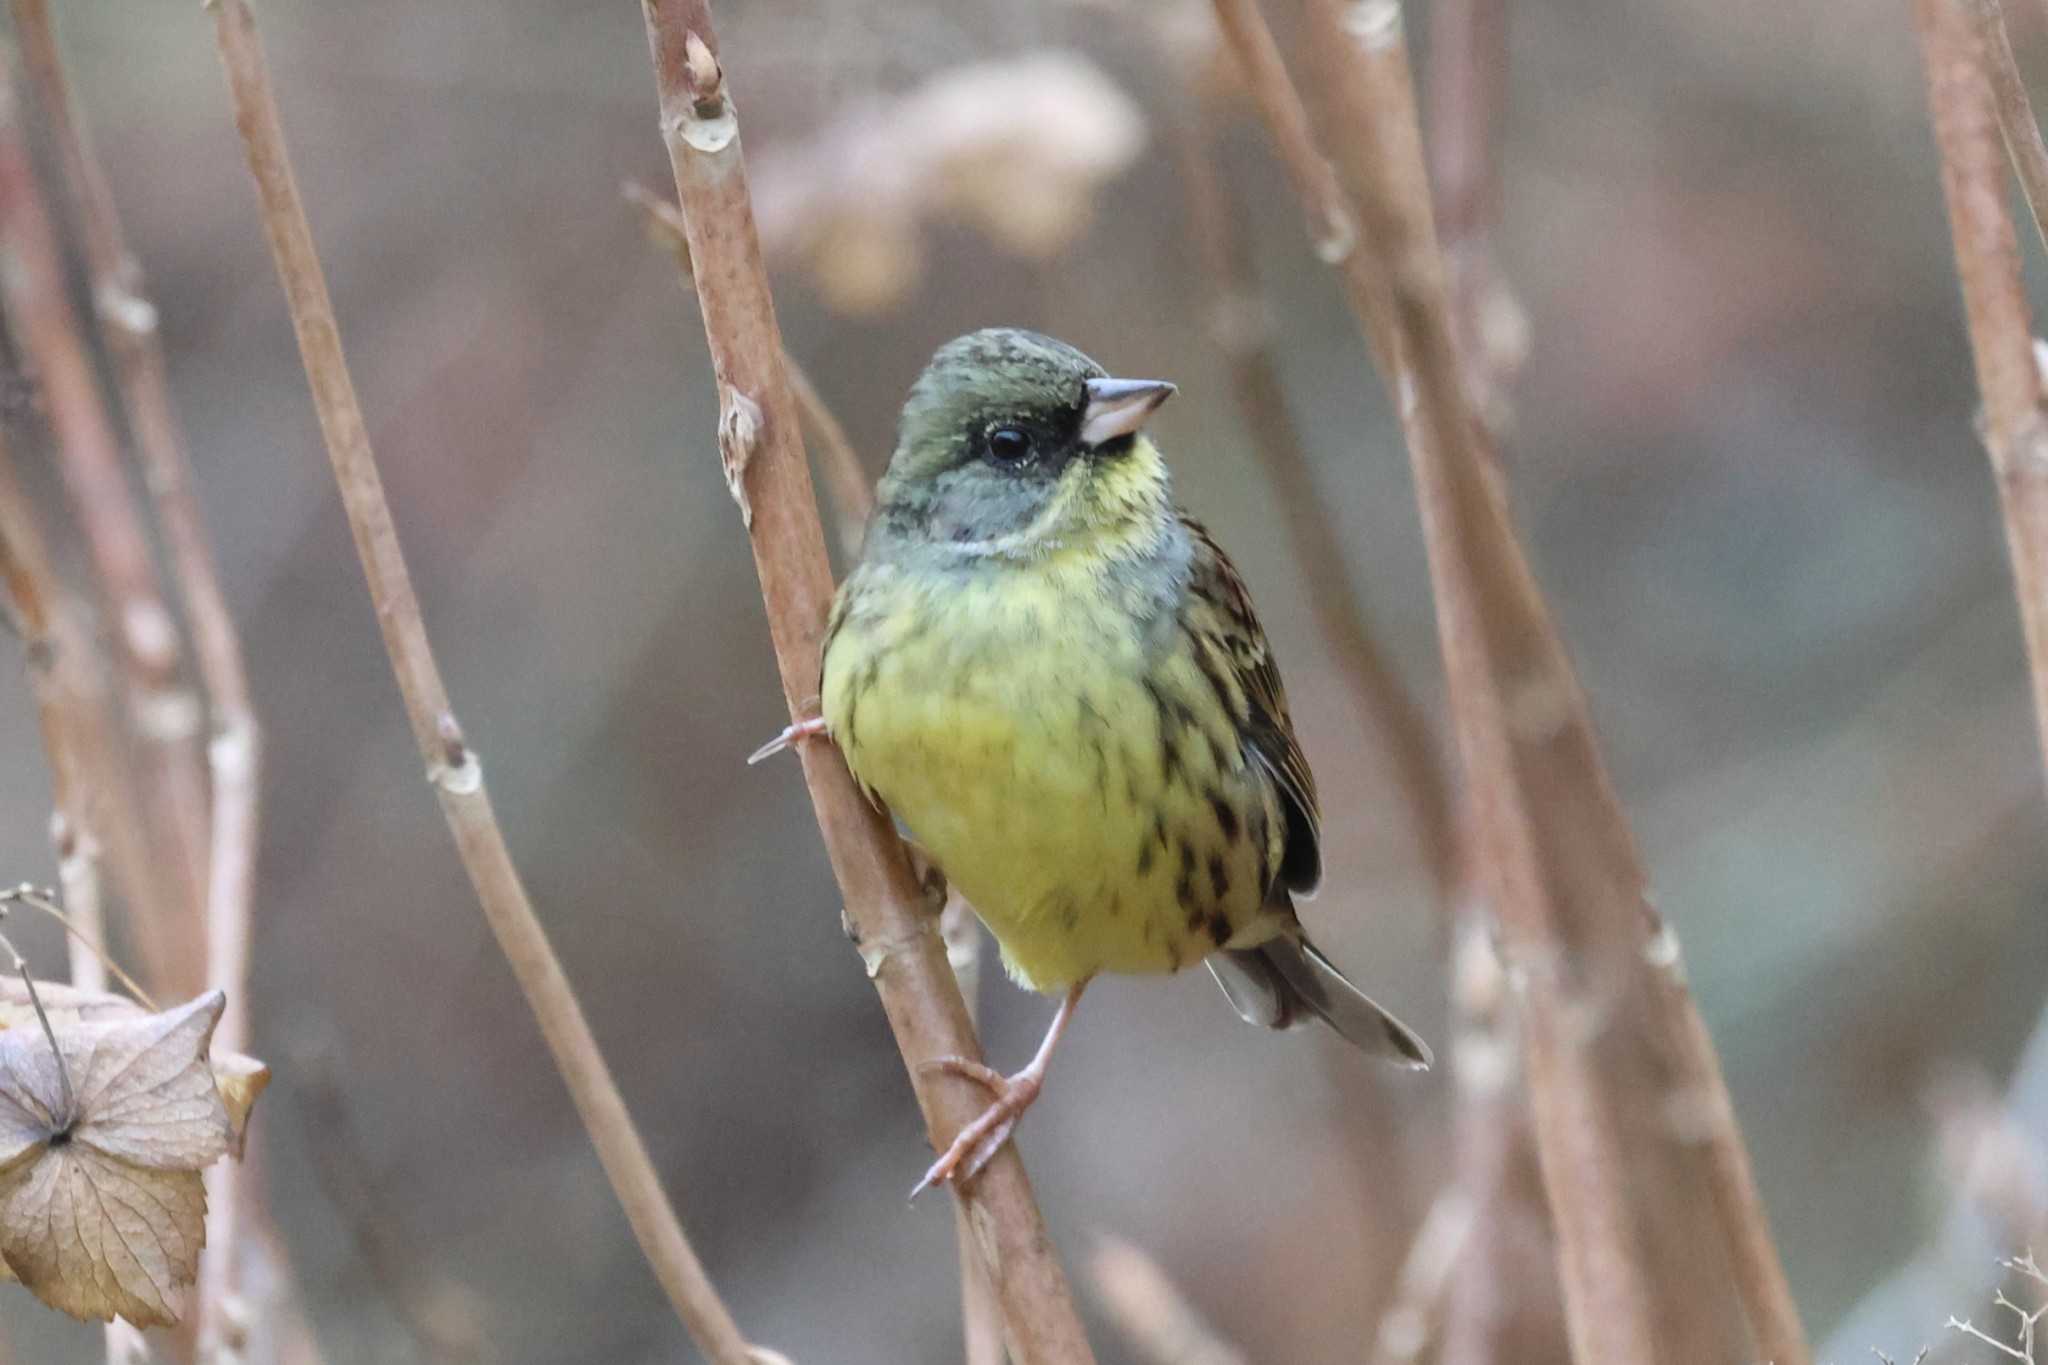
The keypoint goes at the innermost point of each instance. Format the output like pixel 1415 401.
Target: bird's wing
pixel 1214 582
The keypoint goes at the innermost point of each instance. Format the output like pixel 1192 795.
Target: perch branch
pixel 1961 98
pixel 168 896
pixel 853 500
pixel 2015 112
pixel 1637 1140
pixel 128 324
pixel 764 462
pixel 453 768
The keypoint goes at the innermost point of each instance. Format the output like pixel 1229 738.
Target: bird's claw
pixel 977 1144
pixel 803 729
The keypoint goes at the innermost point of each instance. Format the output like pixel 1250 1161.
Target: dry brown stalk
pixel 846 475
pixel 1961 95
pixel 1467 93
pixel 1242 330
pixel 759 442
pixel 852 487
pixel 1155 1316
pixel 453 768
pixel 853 500
pixel 128 324
pixel 1638 1142
pixel 1507 1301
pixel 169 896
pixel 2015 112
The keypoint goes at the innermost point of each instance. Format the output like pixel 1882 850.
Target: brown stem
pixel 1156 1318
pixel 1507 1301
pixel 853 499
pixel 1961 96
pixel 1467 88
pixel 846 476
pixel 128 325
pixel 453 767
pixel 1243 333
pixel 1639 1148
pixel 2015 112
pixel 763 456
pixel 170 895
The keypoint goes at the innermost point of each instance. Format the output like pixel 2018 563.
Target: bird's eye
pixel 1009 443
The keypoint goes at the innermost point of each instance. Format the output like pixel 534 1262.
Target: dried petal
pixel 102 1209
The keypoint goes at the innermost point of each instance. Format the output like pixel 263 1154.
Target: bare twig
pixel 1638 1143
pixel 1155 1316
pixel 453 768
pixel 1965 110
pixel 852 487
pixel 853 500
pixel 1467 94
pixel 128 323
pixel 1242 331
pixel 764 465
pixel 846 476
pixel 2015 112
pixel 169 896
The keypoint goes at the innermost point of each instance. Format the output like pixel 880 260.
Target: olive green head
pixel 1010 439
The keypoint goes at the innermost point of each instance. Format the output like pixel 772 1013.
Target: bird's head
pixel 1013 443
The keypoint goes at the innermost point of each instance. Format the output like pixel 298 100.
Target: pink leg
pixel 977 1143
pixel 804 729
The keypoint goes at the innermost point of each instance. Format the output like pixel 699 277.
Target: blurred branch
pixel 167 889
pixel 128 324
pixel 453 768
pixel 1964 108
pixel 1638 1141
pixel 762 453
pixel 1155 1316
pixel 852 487
pixel 2015 112
pixel 1242 330
pixel 352 1185
pixel 1467 88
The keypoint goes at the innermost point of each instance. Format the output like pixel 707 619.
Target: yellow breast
pixel 1081 787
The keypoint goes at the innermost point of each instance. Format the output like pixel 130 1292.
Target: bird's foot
pixel 813 728
pixel 980 1140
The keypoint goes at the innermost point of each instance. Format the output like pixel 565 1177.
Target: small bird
pixel 1056 681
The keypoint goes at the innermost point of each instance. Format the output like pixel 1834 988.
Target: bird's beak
pixel 1118 407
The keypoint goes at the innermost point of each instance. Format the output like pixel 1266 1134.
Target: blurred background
pixel 1742 455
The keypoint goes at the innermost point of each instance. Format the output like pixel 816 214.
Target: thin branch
pixel 1467 89
pixel 1638 1142
pixel 762 452
pixel 1156 1318
pixel 853 501
pixel 846 476
pixel 852 488
pixel 2015 112
pixel 69 1111
pixel 453 768
pixel 1961 97
pixel 1242 330
pixel 128 324
pixel 169 898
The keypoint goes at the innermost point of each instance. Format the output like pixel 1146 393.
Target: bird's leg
pixel 980 1140
pixel 803 729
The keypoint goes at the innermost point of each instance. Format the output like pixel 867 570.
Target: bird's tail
pixel 1283 982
